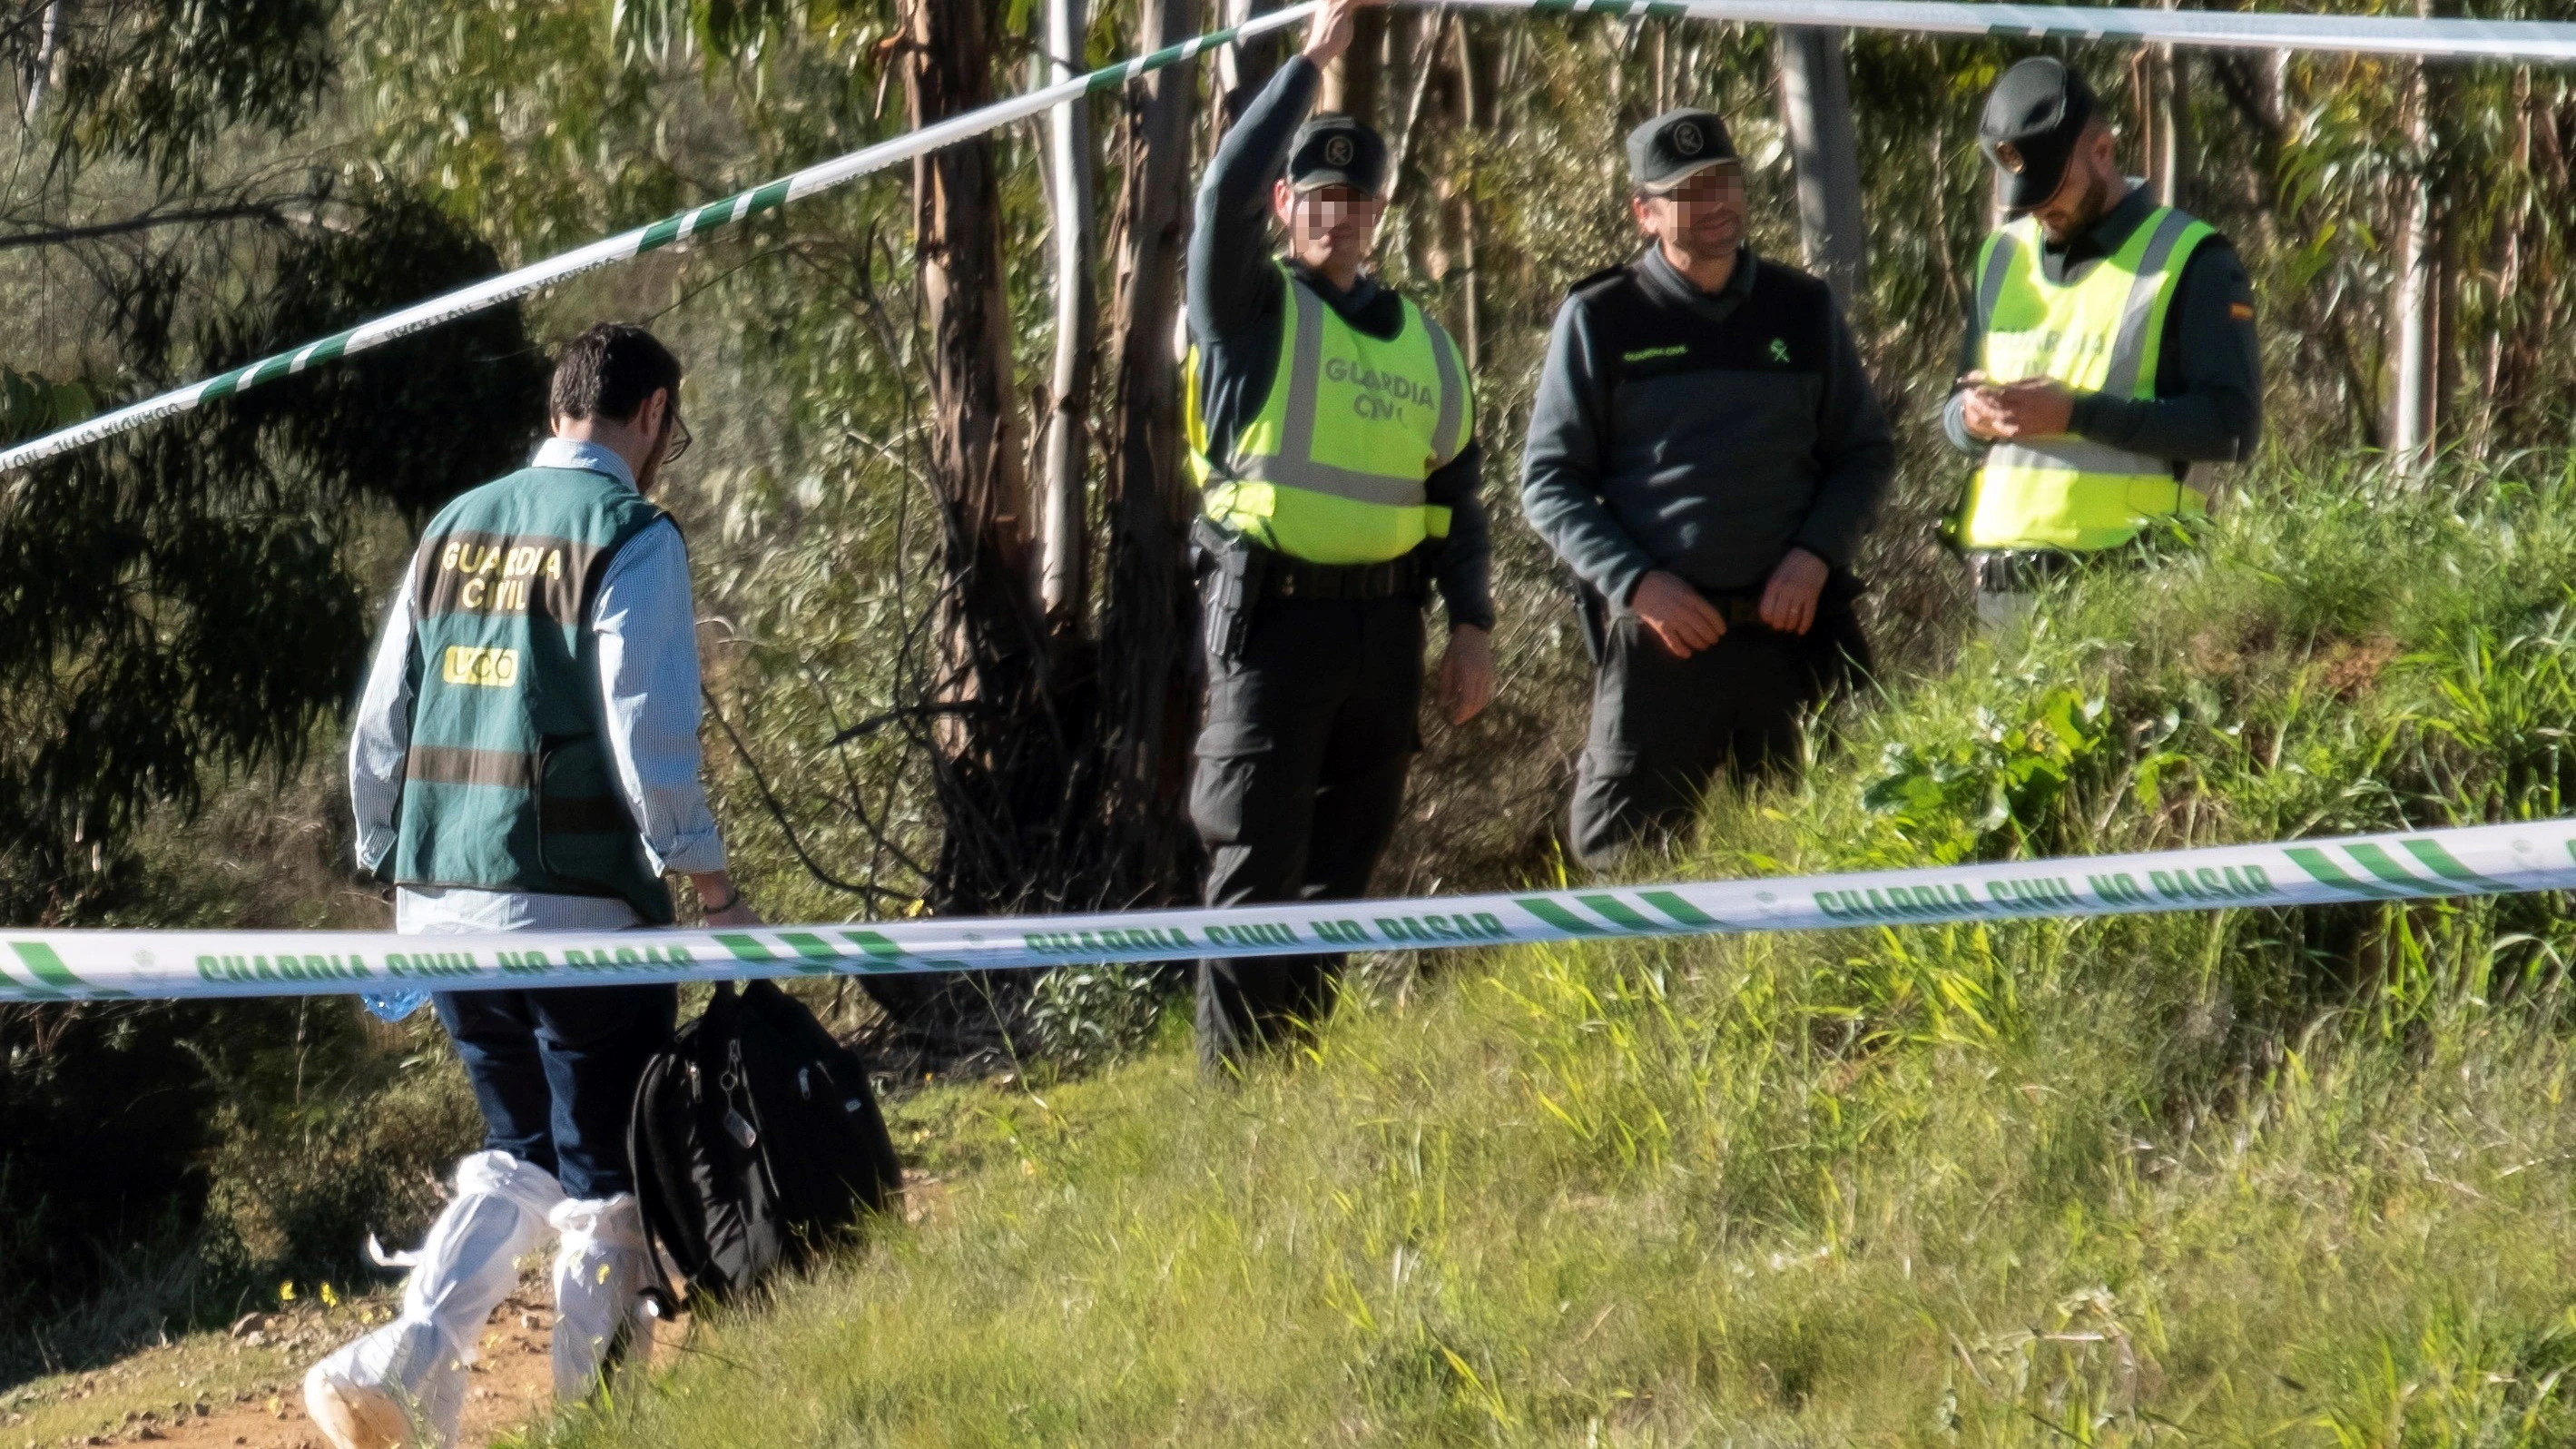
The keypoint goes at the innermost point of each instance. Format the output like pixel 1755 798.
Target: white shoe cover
pixel 404 1384
pixel 600 1271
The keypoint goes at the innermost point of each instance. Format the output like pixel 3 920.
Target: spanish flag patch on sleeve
pixel 2240 311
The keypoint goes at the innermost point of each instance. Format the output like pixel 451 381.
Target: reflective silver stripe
pixel 1990 286
pixel 1305 373
pixel 2129 347
pixel 1347 483
pixel 1446 442
pixel 2072 454
pixel 1294 464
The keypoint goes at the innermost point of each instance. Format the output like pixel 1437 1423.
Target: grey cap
pixel 2033 118
pixel 1337 151
pixel 1675 145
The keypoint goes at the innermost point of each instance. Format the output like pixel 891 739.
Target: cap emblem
pixel 1338 151
pixel 1688 139
pixel 2008 156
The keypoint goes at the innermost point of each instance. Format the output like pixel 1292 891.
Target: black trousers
pixel 1664 728
pixel 1300 774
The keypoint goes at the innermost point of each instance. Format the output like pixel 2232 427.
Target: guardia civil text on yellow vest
pixel 1332 469
pixel 2103 334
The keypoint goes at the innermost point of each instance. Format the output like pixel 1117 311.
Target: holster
pixel 1232 572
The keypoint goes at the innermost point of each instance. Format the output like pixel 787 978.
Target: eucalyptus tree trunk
pixel 1243 69
pixel 1000 760
pixel 1148 628
pixel 1354 83
pixel 2170 160
pixel 1064 577
pixel 1815 104
pixel 2415 309
pixel 977 453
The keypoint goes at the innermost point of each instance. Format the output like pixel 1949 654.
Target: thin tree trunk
pixel 999 764
pixel 1815 104
pixel 1242 70
pixel 1353 84
pixel 1148 625
pixel 40 70
pixel 977 454
pixel 1064 581
pixel 2170 161
pixel 2415 307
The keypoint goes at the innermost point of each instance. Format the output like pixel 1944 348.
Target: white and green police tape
pixel 2546 42
pixel 2479 860
pixel 696 221
pixel 2539 41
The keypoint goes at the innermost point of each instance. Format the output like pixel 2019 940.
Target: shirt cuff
pixel 697 853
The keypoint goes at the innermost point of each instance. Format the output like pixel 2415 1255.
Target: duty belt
pixel 1295 578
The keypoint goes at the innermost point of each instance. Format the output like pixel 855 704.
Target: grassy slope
pixel 2260 1176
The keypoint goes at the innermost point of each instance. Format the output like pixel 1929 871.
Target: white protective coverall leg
pixel 600 1269
pixel 404 1383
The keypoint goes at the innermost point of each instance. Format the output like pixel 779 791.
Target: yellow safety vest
pixel 1331 470
pixel 2103 335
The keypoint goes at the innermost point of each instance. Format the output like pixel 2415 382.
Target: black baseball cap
pixel 1337 151
pixel 1674 145
pixel 2034 116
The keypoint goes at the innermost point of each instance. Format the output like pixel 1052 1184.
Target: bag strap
pixel 657 1293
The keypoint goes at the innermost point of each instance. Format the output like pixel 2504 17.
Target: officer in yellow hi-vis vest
pixel 2110 347
pixel 1332 435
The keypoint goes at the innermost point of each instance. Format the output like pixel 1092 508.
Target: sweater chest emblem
pixel 1650 354
pixel 1780 350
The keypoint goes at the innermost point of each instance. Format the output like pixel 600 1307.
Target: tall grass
pixel 2296 1177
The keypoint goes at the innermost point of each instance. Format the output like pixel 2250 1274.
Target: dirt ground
pixel 245 1389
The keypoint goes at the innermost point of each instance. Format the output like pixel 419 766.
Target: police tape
pixel 2366 869
pixel 697 221
pixel 2544 41
pixel 2452 39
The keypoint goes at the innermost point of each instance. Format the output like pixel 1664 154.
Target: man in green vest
pixel 525 758
pixel 1332 432
pixel 2110 352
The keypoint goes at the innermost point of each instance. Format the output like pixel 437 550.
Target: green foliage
pixel 177 602
pixel 1980 797
pixel 160 81
pixel 2275 1176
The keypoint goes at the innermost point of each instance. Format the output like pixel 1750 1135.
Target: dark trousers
pixel 555 1072
pixel 1664 728
pixel 1300 774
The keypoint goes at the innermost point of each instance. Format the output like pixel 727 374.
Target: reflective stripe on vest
pixel 2103 334
pixel 1331 469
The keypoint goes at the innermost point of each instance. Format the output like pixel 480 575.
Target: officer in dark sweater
pixel 1331 430
pixel 1704 453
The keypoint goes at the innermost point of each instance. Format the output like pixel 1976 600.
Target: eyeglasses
pixel 681 437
